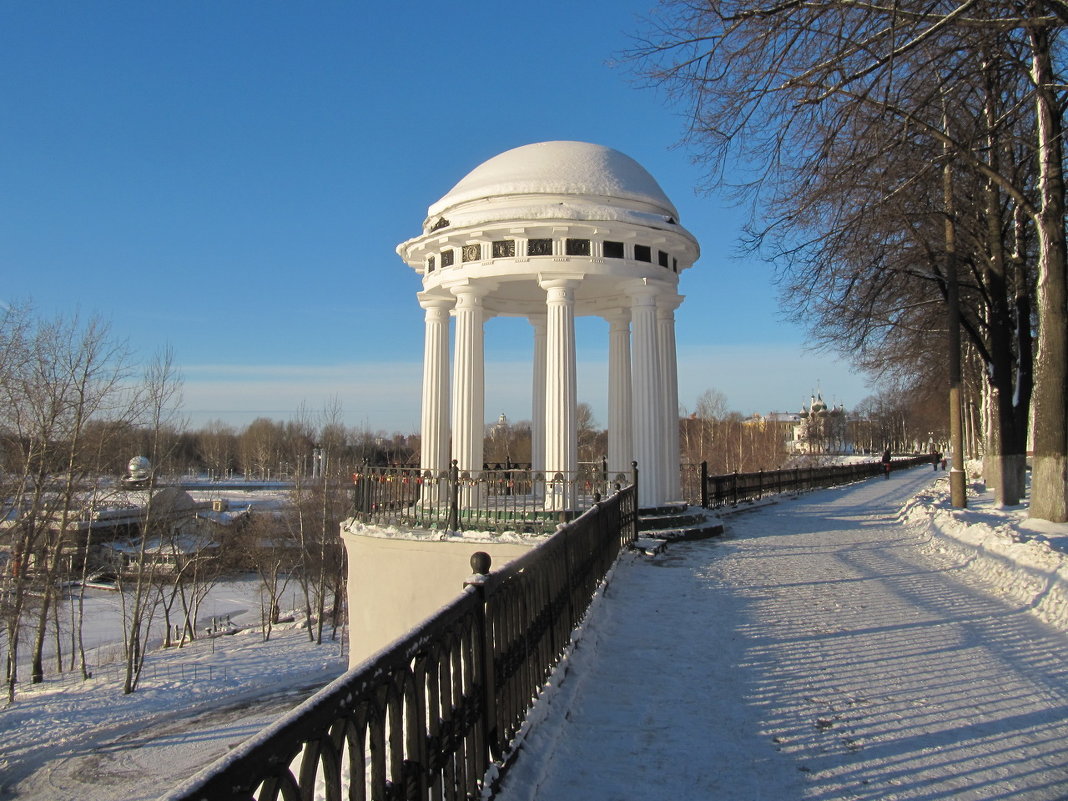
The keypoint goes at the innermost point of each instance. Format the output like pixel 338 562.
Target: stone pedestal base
pixel 395 582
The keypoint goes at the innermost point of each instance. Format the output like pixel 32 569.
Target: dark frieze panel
pixel 577 247
pixel 539 247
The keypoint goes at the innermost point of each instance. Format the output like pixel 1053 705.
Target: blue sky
pixel 231 179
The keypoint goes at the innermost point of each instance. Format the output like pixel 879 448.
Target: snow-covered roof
pixel 594 172
pixel 185 543
pixel 782 417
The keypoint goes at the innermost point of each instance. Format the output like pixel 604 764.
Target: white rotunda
pixel 551 231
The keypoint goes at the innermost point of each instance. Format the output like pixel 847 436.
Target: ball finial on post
pixel 480 563
pixel 480 568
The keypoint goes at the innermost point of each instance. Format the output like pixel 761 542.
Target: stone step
pixel 666 509
pixel 711 528
pixel 678 523
pixel 670 521
pixel 650 546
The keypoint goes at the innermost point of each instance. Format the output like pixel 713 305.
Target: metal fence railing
pixel 428 716
pixel 731 489
pixel 494 499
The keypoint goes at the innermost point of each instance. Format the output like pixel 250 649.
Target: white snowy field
pixel 67 739
pixel 803 655
pixel 860 643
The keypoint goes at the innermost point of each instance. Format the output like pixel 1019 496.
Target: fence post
pixel 454 497
pixel 704 484
pixel 360 501
pixel 734 489
pixel 480 568
pixel 569 577
pixel 634 475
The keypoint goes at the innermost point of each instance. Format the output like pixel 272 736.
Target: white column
pixel 646 394
pixel 620 422
pixel 468 386
pixel 561 394
pixel 434 431
pixel 669 378
pixel 537 412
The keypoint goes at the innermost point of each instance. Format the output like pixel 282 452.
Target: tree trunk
pixel 1049 479
pixel 957 492
pixel 1005 452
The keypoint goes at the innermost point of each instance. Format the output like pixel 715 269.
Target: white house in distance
pixel 548 231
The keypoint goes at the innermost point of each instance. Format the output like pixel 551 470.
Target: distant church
pixel 816 429
pixel 821 429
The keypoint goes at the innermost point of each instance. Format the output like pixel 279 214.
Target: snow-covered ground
pixel 67 739
pixel 862 643
pixel 804 655
pixel 71 739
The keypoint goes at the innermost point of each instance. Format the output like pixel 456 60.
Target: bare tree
pixel 790 89
pixel 56 377
pixel 84 369
pixel 217 446
pixel 16 336
pixel 726 442
pixel 318 505
pixel 159 401
pixel 592 439
pixel 265 544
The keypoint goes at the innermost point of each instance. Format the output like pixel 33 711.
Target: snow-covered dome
pixel 557 180
pixel 566 211
pixel 139 465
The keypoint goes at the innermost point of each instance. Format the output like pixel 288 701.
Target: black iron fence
pixel 498 498
pixel 733 488
pixel 427 717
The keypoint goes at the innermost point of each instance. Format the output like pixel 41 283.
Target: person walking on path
pixel 887 458
pixel 821 649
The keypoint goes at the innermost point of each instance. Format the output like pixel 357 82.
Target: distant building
pixel 107 536
pixel 821 429
pixel 816 429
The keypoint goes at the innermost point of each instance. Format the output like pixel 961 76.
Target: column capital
pixel 645 291
pixel 430 301
pixel 466 288
pixel 470 296
pixel 551 281
pixel 667 302
pixel 617 317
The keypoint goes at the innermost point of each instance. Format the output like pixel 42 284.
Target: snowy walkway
pixel 821 650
